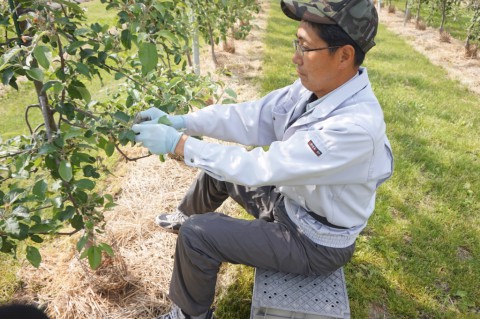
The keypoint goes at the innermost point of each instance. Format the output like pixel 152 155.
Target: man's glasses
pixel 300 50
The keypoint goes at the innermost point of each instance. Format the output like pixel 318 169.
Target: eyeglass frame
pixel 298 48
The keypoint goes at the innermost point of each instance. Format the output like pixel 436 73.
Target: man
pixel 311 192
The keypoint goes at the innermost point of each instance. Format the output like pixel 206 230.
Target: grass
pixel 419 255
pixel 13 102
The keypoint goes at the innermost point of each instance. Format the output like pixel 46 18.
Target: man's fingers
pixel 139 118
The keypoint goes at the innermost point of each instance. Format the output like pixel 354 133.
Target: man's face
pixel 317 69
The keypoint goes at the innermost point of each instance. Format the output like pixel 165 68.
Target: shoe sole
pixel 174 229
pixel 169 230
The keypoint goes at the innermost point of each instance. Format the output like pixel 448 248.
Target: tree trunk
pixel 212 45
pixel 417 18
pixel 444 15
pixel 47 112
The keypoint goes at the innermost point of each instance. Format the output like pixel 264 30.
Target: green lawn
pixel 419 255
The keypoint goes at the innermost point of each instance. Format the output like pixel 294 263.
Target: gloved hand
pixel 152 116
pixel 158 138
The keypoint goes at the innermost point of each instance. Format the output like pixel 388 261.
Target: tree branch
pixel 14 154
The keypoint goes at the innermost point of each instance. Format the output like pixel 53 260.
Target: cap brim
pixel 297 10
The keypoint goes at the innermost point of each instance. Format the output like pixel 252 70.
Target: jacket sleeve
pixel 248 123
pixel 339 154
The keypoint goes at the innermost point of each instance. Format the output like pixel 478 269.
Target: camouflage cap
pixel 358 18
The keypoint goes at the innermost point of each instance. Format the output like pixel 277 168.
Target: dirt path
pixel 137 284
pixel 449 56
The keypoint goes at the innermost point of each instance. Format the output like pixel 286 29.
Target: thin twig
pixel 26 116
pixel 38 126
pixel 73 124
pixel 133 80
pixel 41 208
pixel 88 114
pixel 128 158
pixel 14 154
pixel 62 65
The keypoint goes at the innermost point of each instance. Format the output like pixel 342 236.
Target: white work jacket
pixel 328 160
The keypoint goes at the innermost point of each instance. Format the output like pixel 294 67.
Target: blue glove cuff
pixel 175 139
pixel 178 121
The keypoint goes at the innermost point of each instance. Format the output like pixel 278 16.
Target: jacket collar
pixel 341 94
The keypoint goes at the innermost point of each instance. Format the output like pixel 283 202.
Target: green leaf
pixel 109 148
pixel 83 69
pixel 168 35
pixel 231 93
pixel 40 188
pixel 6 57
pixel 77 222
pixel 7 75
pixel 94 257
pixel 148 57
pixel 7 246
pixel 35 74
pixel 16 229
pixel 121 117
pixel 164 120
pixel 81 243
pixel 173 82
pixel 20 211
pixel 65 171
pixel 56 85
pixel 66 214
pixel 96 27
pixel 43 55
pixel 126 39
pixel 106 248
pixel 72 48
pixel 36 238
pixel 126 136
pixel 84 93
pixel 73 132
pixel 40 228
pixel 12 226
pixel 33 256
pixel 85 184
pixel 47 149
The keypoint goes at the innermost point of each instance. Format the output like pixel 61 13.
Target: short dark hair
pixel 335 36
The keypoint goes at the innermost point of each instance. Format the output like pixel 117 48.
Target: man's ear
pixel 346 56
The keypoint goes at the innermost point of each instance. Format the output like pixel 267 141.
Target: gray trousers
pixel 270 241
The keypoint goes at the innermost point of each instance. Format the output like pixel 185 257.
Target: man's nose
pixel 297 58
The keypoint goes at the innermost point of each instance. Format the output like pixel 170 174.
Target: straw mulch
pixel 134 283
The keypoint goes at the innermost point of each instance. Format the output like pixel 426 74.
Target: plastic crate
pixel 279 295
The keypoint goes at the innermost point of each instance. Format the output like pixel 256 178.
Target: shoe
pixel 171 222
pixel 176 313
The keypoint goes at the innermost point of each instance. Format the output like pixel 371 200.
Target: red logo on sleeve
pixel 314 148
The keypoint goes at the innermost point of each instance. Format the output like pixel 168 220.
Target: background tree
pixel 473 29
